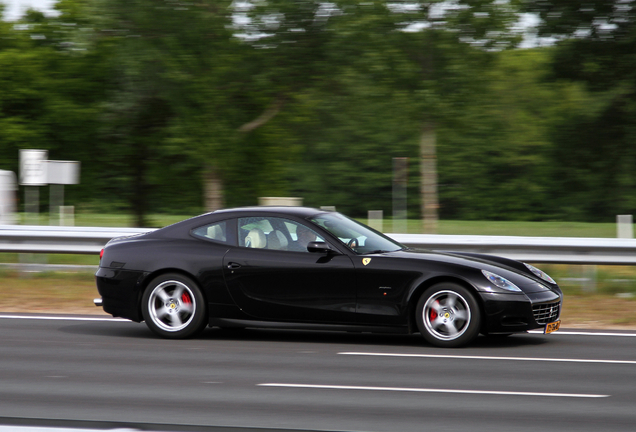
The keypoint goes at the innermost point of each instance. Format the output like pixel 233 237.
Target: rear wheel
pixel 448 315
pixel 173 307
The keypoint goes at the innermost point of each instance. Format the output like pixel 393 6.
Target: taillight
pixel 101 254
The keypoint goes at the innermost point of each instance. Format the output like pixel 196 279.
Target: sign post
pixel 8 197
pixel 60 173
pixel 400 178
pixel 32 174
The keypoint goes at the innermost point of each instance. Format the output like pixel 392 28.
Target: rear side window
pixel 216 232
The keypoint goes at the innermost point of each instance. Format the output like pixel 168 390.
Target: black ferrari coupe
pixel 297 267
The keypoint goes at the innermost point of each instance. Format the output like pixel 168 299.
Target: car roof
pixel 180 229
pixel 289 210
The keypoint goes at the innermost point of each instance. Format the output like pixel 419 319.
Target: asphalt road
pixel 115 374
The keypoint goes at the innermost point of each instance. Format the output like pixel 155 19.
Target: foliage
pixel 314 99
pixel 498 153
pixel 595 147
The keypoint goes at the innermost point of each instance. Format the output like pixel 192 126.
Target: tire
pixel 173 307
pixel 448 315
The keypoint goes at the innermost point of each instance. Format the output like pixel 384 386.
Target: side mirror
pixel 320 247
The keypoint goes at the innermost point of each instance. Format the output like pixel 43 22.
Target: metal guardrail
pixel 554 250
pixel 56 239
pixel 566 250
pixel 46 267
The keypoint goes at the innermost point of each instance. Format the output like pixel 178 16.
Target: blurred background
pixel 482 117
pixel 505 110
pixel 492 117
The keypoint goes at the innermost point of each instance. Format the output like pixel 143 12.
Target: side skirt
pixel 235 323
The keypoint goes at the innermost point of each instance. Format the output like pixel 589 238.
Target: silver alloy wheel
pixel 446 315
pixel 172 305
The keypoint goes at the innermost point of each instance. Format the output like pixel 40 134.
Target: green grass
pixel 108 220
pixel 69 259
pixel 512 228
pixel 531 229
pixel 593 280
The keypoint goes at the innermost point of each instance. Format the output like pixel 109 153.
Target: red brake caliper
pixel 433 313
pixel 185 298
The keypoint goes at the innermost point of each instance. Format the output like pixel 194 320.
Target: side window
pixel 216 232
pixel 275 234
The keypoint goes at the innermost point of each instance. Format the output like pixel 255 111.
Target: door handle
pixel 233 265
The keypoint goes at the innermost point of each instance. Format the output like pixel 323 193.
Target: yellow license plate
pixel 552 327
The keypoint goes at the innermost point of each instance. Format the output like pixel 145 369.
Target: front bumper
pixel 512 313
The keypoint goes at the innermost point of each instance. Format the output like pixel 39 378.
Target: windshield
pixel 358 237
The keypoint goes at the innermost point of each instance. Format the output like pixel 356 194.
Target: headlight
pixel 500 282
pixel 540 274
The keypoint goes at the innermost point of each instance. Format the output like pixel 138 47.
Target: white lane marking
pixel 582 333
pixel 449 356
pixel 63 318
pixel 53 429
pixel 431 390
pixel 36 317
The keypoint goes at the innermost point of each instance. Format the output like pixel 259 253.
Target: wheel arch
pixel 417 292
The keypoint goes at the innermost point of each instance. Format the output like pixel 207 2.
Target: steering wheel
pixel 353 243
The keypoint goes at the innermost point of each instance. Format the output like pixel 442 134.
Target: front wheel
pixel 448 315
pixel 173 307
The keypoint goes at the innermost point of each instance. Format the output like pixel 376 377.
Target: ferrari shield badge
pixel 366 261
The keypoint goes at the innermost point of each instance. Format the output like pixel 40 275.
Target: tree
pixel 498 152
pixel 415 53
pixel 23 95
pixel 594 155
pixel 47 93
pixel 183 88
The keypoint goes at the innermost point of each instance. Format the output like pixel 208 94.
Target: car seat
pixel 256 239
pixel 215 232
pixel 277 240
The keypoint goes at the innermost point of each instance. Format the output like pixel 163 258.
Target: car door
pixel 383 284
pixel 272 276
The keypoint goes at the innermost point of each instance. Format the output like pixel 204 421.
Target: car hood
pixel 514 271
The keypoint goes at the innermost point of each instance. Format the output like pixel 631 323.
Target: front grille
pixel 546 312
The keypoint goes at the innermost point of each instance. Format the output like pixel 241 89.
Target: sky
pixel 15 8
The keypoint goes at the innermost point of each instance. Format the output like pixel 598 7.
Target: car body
pixel 298 267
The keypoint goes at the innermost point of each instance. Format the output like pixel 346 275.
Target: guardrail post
pixel 32 263
pixel 32 205
pixel 624 226
pixel 400 176
pixel 376 219
pixel 67 215
pixel 590 274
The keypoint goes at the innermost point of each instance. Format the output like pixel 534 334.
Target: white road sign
pixel 33 167
pixel 63 172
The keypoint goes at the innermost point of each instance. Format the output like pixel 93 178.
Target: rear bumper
pixel 120 292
